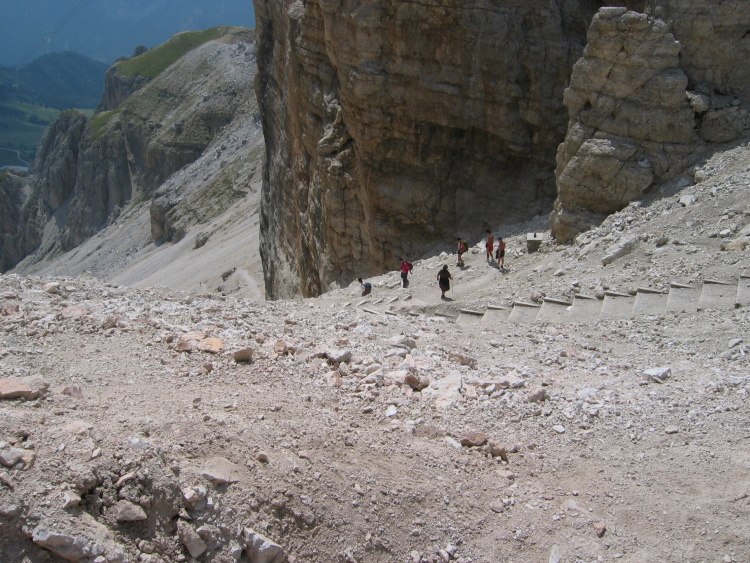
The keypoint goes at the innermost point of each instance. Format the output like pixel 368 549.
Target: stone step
pixel 650 301
pixel 554 310
pixel 743 291
pixel 468 316
pixel 523 312
pixel 717 294
pixel 683 298
pixel 495 314
pixel 585 309
pixel 617 305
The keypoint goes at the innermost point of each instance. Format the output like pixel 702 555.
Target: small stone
pixel 53 288
pixel 736 245
pixel 506 474
pixel 687 200
pixel 554 555
pixel 538 396
pixel 220 470
pixel 10 456
pixel 391 411
pixel 600 528
pixel 497 451
pixel 402 341
pixel 11 389
pixel 72 548
pixel 281 348
pixel 190 539
pixel 244 355
pixel 338 356
pixel 463 359
pixel 560 429
pixel 261 549
pixel 126 511
pixel 73 391
pixel 473 439
pixel 735 342
pixel 262 457
pixel 6 480
pixel 497 506
pixel 671 430
pixel 75 312
pixel 211 345
pixel 70 499
pixel 658 374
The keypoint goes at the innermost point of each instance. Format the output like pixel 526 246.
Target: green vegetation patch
pixel 97 123
pixel 21 128
pixel 153 62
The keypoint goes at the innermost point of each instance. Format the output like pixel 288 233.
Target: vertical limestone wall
pixel 392 127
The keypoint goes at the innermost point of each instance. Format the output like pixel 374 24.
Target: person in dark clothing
pixel 365 286
pixel 443 278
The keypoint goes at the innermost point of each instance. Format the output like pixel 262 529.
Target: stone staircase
pixel 711 294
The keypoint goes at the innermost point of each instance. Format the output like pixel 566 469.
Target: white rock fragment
pixel 220 470
pixel 261 549
pixel 620 250
pixel 660 375
pixel 190 539
pixel 126 511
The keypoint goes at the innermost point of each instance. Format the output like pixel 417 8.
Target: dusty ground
pixel 337 460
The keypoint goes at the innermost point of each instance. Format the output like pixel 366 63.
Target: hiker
pixel 490 245
pixel 443 278
pixel 501 252
pixel 366 287
pixel 406 267
pixel 462 248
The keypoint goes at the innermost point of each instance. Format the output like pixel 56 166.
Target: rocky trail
pixel 153 425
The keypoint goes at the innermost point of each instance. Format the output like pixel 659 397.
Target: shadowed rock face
pixel 395 126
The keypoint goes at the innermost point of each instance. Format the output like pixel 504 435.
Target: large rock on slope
pixel 646 101
pixel 630 120
pixel 394 126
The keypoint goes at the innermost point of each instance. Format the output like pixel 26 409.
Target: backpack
pixel 464 247
pixel 409 265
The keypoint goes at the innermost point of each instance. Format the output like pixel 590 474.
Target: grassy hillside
pixel 153 62
pixel 32 96
pixel 56 80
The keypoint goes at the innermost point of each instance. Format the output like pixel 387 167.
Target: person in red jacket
pixel 405 267
pixel 490 247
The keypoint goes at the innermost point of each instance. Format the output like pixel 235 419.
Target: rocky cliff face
pixel 396 125
pixel 87 172
pixel 649 98
pixel 119 87
pixel 393 128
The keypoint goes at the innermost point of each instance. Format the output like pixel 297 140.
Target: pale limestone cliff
pixel 648 99
pixel 395 126
pixel 86 173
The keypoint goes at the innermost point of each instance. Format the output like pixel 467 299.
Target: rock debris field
pixel 157 426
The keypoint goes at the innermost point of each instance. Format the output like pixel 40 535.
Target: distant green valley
pixel 33 95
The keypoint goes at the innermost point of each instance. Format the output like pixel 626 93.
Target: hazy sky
pixel 106 29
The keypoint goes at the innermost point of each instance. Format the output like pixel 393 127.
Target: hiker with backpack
pixel 443 278
pixel 490 246
pixel 365 286
pixel 462 248
pixel 405 267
